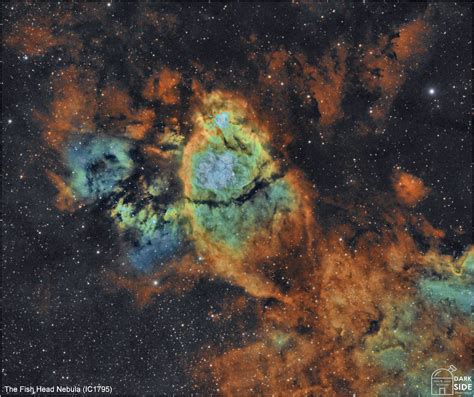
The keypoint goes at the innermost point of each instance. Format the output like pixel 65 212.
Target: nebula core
pixel 268 199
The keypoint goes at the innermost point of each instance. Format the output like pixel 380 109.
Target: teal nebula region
pixel 452 290
pixel 233 184
pixel 102 168
pixel 153 231
pixel 98 165
pixel 255 211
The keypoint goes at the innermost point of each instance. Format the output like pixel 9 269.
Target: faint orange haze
pixel 386 66
pixel 73 107
pixel 163 86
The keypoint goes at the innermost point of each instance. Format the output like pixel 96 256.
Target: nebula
pixel 245 217
pixel 264 200
pixel 231 193
pixel 97 166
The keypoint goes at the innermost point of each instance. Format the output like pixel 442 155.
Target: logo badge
pixel 442 381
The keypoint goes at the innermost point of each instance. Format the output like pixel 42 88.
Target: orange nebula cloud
pixel 412 40
pixel 326 83
pixel 163 86
pixel 115 102
pixel 141 124
pixel 175 278
pixel 65 200
pixel 320 341
pixel 322 80
pixel 409 189
pixel 386 65
pixel 277 60
pixel 33 40
pixel 73 107
pixel 35 36
pixel 116 108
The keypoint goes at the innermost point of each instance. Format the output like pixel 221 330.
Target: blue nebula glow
pixel 150 250
pixel 222 120
pixel 216 171
pixel 98 165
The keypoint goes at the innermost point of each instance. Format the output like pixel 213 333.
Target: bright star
pixel 432 91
